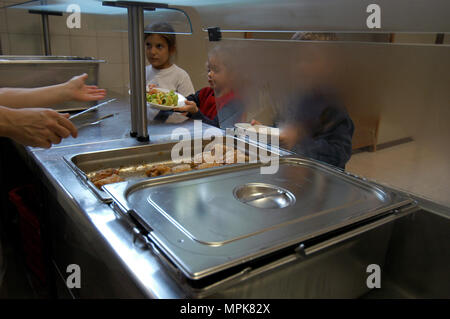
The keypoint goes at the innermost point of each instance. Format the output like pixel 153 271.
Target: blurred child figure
pixel 317 124
pixel 320 128
pixel 160 47
pixel 202 104
pixel 217 104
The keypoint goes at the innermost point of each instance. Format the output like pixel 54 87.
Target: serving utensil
pixel 90 109
pixel 97 121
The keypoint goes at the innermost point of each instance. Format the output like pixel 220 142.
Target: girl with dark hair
pixel 160 47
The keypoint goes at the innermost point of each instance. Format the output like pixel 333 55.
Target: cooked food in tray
pixel 158 170
pixel 104 173
pixel 114 178
pixel 218 155
pixel 106 176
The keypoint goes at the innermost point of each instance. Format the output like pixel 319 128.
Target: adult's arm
pixel 74 89
pixel 35 126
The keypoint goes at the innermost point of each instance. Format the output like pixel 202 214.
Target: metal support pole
pixel 138 92
pixel 136 13
pixel 45 27
pixel 46 32
pixel 133 102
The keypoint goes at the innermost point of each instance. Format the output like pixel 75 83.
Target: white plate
pixel 273 131
pixel 181 102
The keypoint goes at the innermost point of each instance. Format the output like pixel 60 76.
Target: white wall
pixel 20 33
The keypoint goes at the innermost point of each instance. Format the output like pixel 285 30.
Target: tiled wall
pixel 99 37
pixel 22 35
pixel 17 34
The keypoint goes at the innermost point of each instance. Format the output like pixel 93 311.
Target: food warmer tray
pixel 208 222
pixel 136 159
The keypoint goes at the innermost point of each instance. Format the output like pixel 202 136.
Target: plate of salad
pixel 164 99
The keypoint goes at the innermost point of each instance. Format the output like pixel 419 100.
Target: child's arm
pixel 196 114
pixel 190 107
pixel 200 116
pixel 335 149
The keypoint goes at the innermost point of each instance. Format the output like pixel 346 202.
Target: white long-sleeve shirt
pixel 172 78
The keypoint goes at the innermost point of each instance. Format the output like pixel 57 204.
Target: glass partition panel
pixel 325 15
pixel 86 6
pixel 403 37
pixel 115 17
pixel 178 19
pixel 396 96
pixel 304 15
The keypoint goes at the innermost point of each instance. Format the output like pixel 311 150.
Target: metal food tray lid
pixel 211 220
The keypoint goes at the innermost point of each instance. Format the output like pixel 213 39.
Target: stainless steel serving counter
pixel 116 262
pixel 91 215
